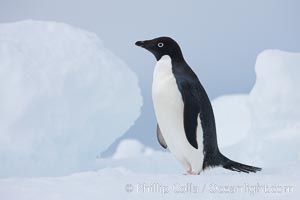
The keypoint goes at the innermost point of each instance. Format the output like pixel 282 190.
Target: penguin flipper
pixel 160 138
pixel 190 113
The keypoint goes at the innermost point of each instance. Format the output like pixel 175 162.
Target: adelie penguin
pixel 186 123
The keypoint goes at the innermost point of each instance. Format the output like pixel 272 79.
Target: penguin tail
pixel 238 167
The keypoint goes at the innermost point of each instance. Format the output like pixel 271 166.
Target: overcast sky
pixel 220 39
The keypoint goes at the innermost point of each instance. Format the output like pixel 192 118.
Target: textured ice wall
pixel 265 124
pixel 64 98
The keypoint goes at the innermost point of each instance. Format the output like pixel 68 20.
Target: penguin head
pixel 162 46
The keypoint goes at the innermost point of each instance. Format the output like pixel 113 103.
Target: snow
pixel 130 148
pixel 163 183
pixel 64 98
pixel 154 176
pixel 259 128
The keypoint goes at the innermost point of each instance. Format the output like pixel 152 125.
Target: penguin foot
pixel 190 172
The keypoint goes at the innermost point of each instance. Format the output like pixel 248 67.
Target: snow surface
pixel 130 148
pixel 64 98
pixel 155 176
pixel 259 128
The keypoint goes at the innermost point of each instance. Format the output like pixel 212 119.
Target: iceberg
pixel 264 124
pixel 64 98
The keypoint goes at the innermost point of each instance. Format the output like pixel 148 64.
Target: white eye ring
pixel 160 45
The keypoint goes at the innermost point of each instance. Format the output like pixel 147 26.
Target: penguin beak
pixel 140 43
pixel 148 45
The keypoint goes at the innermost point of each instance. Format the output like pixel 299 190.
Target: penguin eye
pixel 160 45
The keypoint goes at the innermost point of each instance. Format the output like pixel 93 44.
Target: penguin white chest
pixel 168 106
